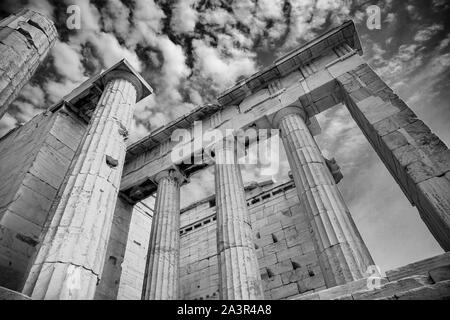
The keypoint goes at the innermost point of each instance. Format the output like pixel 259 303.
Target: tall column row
pixel 239 276
pixel 343 256
pixel 70 260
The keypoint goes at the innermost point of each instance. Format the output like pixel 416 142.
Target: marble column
pixel 239 276
pixel 162 281
pixel 69 262
pixel 25 40
pixel 343 256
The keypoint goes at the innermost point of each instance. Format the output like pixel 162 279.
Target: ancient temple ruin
pixel 72 225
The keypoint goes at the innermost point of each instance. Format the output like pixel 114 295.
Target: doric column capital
pixel 293 109
pixel 128 76
pixel 172 174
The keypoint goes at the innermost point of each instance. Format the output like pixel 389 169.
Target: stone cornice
pixel 163 133
pixel 173 174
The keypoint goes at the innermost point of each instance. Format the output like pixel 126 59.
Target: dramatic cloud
pixel 184 16
pixel 222 70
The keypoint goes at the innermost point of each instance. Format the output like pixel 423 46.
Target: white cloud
pixel 218 16
pixel 222 70
pixel 67 61
pixel 42 6
pixel 7 122
pixel 307 15
pixel 174 68
pixel 271 9
pixel 115 16
pixel 184 16
pixel 57 90
pixel 427 33
pixel 33 94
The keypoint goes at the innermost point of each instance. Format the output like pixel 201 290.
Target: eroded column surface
pixel 343 256
pixel 239 276
pixel 70 260
pixel 162 281
pixel 417 159
pixel 25 40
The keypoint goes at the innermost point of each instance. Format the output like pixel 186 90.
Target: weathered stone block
pixel 395 140
pixel 289 253
pixel 281 267
pixel 294 275
pixel 440 273
pixel 275 247
pixel 419 171
pixel 393 288
pixel 386 126
pixel 407 155
pixel 284 292
pixel 272 283
pixel 439 291
pixel 311 283
pixel 404 117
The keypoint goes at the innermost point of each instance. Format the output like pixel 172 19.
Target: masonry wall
pixel 134 261
pixel 286 256
pixel 34 160
pixel 108 286
pixel 199 273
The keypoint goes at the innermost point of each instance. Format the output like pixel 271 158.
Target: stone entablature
pixel 317 90
pixel 342 39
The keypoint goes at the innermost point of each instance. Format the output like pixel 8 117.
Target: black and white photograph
pixel 231 150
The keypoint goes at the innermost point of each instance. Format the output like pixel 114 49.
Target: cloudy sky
pixel 190 50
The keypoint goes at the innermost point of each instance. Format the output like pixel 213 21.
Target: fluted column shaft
pixel 239 276
pixel 163 260
pixel 70 260
pixel 343 256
